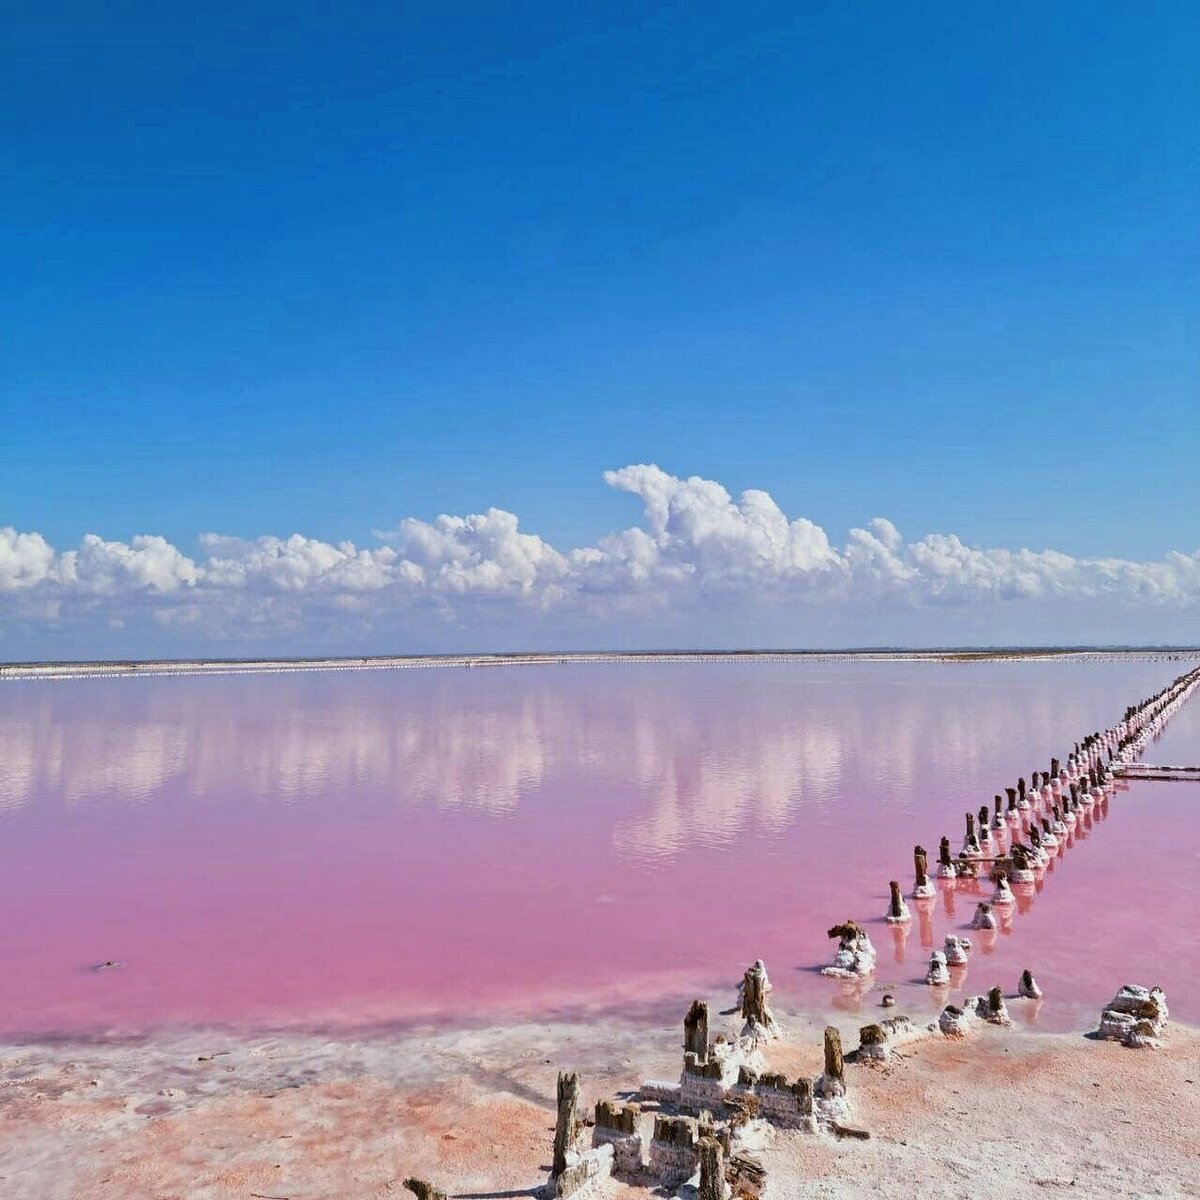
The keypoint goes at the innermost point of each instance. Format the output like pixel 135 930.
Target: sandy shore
pixel 212 1116
pixel 80 670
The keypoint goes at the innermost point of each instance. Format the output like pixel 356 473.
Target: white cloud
pixel 294 564
pixel 26 559
pixel 697 550
pixel 699 533
pixel 110 568
pixel 484 554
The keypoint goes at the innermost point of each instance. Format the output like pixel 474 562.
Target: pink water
pixel 472 845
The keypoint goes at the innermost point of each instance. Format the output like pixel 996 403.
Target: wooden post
pixel 695 1030
pixel 712 1170
pixel 834 1063
pixel 754 998
pixel 566 1125
pixel 995 1000
pixel 920 866
pixel 1012 798
pixel 896 905
pixel 944 853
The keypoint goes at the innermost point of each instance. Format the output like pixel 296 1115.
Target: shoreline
pixel 180 667
pixel 301 1116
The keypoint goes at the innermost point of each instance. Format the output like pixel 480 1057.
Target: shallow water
pixel 470 845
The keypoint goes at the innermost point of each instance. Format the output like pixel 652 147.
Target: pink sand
pixel 392 846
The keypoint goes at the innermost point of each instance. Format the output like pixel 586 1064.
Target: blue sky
pixel 285 269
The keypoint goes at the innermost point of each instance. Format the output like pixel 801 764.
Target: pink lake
pixel 341 850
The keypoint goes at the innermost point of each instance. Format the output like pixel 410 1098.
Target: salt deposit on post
pixel 855 956
pixel 1136 1016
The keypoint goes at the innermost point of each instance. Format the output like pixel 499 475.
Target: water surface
pixel 455 844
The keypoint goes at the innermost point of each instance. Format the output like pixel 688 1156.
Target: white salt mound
pixel 1136 1016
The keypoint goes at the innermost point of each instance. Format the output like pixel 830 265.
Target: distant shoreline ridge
pixel 216 666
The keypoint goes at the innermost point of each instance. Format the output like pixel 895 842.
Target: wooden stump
pixel 695 1030
pixel 754 999
pixel 566 1125
pixel 920 866
pixel 834 1063
pixel 712 1170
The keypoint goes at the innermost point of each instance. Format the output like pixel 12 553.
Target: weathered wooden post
pixel 835 1067
pixel 754 997
pixel 566 1124
pixel 920 871
pixel 712 1170
pixel 897 912
pixel 695 1030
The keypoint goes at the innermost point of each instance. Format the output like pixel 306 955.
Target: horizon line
pixel 65 668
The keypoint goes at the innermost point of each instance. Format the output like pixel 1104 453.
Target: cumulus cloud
pixel 697 549
pixel 485 554
pixel 26 559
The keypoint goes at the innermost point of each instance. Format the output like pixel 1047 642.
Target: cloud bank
pixel 701 566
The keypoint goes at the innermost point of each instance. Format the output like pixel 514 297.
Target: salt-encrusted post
pixel 834 1065
pixel 567 1123
pixel 712 1170
pixel 754 998
pixel 920 869
pixel 944 853
pixel 1028 986
pixel 897 909
pixel 695 1030
pixel 995 1000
